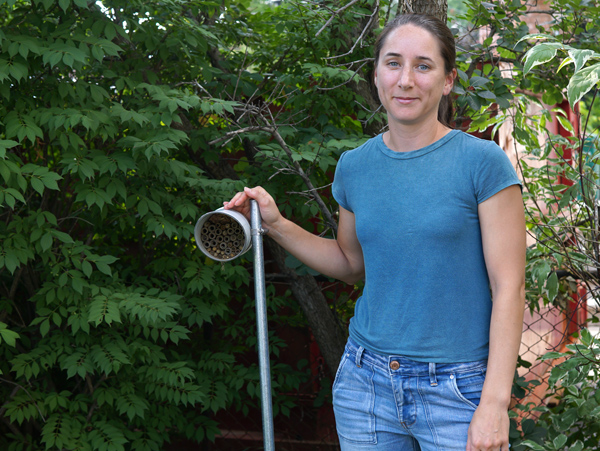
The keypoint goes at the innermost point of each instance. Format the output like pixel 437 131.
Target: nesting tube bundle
pixel 223 234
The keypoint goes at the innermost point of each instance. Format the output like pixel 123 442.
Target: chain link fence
pixel 547 329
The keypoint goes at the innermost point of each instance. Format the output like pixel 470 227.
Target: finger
pixel 241 199
pixel 236 200
pixel 259 194
pixel 254 193
pixel 469 447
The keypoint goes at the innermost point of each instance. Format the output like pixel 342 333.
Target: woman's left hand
pixel 489 429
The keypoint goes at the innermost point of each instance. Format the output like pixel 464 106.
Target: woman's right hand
pixel 268 208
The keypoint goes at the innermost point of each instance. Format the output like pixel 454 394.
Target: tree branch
pixel 362 34
pixel 333 16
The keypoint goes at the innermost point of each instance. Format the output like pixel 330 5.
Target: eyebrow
pixel 394 54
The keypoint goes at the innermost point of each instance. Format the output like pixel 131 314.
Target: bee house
pixel 223 234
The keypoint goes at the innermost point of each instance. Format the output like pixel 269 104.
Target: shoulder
pixel 490 167
pixel 477 150
pixel 473 143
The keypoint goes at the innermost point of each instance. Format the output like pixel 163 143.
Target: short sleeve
pixel 494 173
pixel 338 188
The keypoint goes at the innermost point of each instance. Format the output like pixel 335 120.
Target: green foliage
pixel 574 423
pixel 500 68
pixel 115 332
pixel 532 72
pixel 556 62
pixel 583 80
pixel 7 336
pixel 122 122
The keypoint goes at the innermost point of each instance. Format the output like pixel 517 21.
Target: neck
pixel 406 138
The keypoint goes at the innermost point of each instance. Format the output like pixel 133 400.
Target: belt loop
pixel 432 379
pixel 359 353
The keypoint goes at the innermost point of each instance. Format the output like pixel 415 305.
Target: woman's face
pixel 410 76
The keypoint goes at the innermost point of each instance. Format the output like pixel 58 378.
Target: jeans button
pixel 394 365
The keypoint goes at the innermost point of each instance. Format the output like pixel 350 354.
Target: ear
pixel 375 77
pixel 449 83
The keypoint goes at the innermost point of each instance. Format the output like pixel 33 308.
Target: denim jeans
pixel 393 403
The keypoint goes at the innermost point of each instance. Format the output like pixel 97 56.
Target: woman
pixel 432 218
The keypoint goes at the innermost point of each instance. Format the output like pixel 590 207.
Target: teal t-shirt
pixel 426 294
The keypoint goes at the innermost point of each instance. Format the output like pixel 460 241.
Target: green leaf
pixel 552 286
pixel 86 267
pixel 78 283
pixel 577 446
pixel 567 419
pixel 49 179
pixel 46 241
pixel 17 70
pixel 533 445
pixel 104 268
pixel 149 309
pixel 103 309
pixel 559 441
pixel 536 36
pixel 45 327
pixel 97 53
pixel 63 237
pixel 552 355
pixel 581 56
pixel 486 94
pixel 566 124
pixel 143 207
pixel 11 262
pixel 6 144
pixel 110 32
pixel 131 405
pixel 64 4
pixel 8 336
pixel 582 82
pixel 107 437
pixel 473 102
pixel 77 363
pixel 478 81
pixel 37 185
pixel 539 54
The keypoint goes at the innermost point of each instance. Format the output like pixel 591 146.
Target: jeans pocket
pixel 343 361
pixel 468 386
pixel 353 403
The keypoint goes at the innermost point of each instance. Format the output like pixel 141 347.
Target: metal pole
pixel 261 323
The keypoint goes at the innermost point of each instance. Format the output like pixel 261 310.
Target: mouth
pixel 405 100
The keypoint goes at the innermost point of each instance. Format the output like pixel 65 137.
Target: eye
pixel 423 67
pixel 393 63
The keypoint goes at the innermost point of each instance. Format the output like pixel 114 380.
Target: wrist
pixel 493 398
pixel 276 229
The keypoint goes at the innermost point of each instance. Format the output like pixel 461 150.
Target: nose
pixel 405 78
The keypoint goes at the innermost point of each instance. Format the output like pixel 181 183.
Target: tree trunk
pixel 437 8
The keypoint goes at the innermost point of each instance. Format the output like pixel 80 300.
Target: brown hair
pixel 447 46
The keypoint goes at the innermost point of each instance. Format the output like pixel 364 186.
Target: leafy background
pixel 122 122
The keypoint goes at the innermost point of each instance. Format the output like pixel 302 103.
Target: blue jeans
pixel 394 403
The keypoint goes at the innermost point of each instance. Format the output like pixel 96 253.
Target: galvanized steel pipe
pixel 261 323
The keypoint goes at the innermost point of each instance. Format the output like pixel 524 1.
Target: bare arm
pixel 503 235
pixel 340 258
